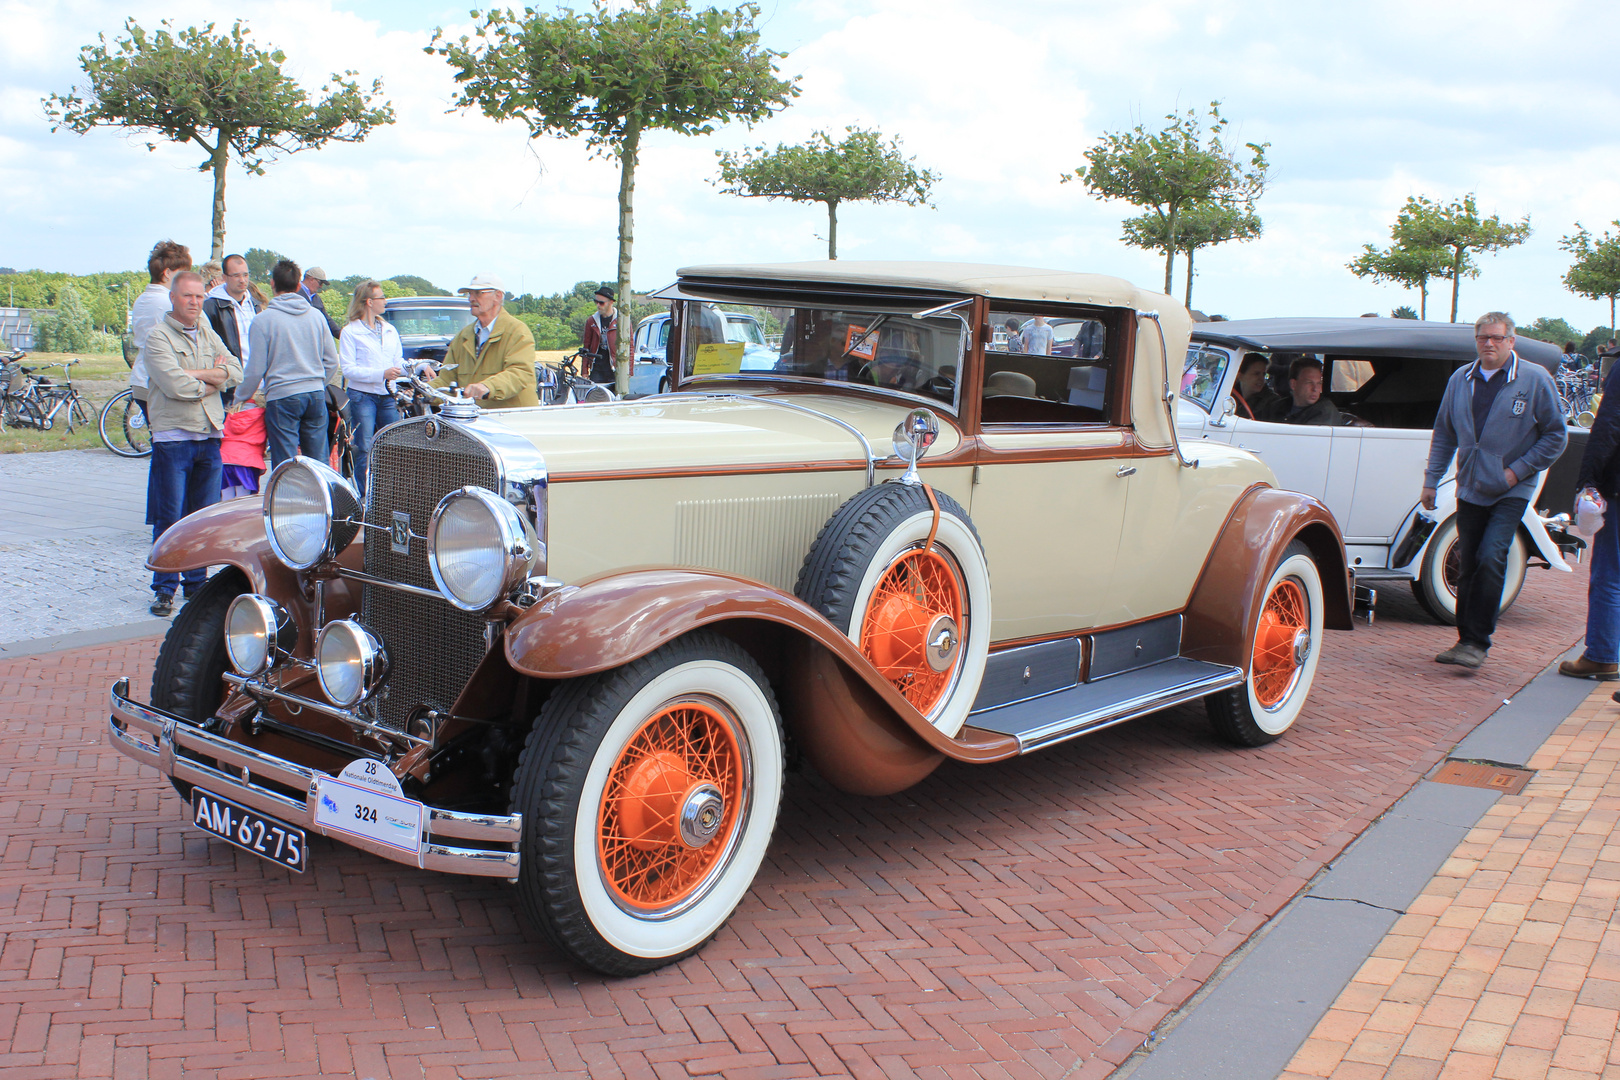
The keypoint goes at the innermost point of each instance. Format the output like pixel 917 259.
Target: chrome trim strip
pixel 361 575
pixel 1169 391
pixel 866 447
pixel 171 732
pixel 1086 723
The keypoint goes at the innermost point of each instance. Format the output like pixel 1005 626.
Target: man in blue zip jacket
pixel 1501 418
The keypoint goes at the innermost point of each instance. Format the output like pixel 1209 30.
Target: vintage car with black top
pixel 579 647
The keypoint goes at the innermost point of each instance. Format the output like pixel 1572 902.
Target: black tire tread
pixel 186 679
pixel 833 568
pixel 551 767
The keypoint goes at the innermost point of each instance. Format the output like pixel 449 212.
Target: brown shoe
pixel 1589 669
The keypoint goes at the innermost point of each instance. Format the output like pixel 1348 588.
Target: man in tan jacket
pixel 494 354
pixel 187 365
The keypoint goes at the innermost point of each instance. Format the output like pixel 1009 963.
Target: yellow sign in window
pixel 718 359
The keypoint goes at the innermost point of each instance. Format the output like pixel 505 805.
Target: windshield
pixel 848 344
pixel 1201 376
pixel 429 321
pixel 744 329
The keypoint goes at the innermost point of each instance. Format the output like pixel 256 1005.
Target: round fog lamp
pixel 259 634
pixel 479 547
pixel 350 661
pixel 310 512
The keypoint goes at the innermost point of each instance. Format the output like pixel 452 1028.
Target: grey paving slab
pixel 84 639
pixel 1247 1023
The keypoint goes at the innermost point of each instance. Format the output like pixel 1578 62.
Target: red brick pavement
pixel 1032 919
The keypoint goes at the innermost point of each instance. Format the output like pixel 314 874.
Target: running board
pixel 1079 710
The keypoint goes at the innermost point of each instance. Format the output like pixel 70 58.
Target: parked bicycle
pixel 565 385
pixel 123 426
pixel 1576 388
pixel 35 401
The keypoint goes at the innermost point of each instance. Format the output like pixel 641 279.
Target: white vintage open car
pixel 1387 377
pixel 578 647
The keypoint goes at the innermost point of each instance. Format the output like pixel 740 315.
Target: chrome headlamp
pixel 259 634
pixel 310 512
pixel 350 662
pixel 479 548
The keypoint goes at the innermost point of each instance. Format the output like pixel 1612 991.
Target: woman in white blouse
pixel 371 356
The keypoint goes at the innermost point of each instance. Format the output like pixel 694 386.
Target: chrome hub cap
pixel 943 640
pixel 701 814
pixel 1302 646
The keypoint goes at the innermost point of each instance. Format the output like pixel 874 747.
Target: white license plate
pixel 349 809
pixel 265 836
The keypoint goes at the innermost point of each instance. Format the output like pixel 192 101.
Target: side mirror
pixel 1228 407
pixel 912 438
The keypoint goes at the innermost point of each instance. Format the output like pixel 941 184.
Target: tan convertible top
pixel 978 279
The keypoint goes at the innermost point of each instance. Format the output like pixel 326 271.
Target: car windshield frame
pixel 406 314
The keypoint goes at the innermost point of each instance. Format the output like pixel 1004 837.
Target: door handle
pixel 1125 470
pixel 1250 449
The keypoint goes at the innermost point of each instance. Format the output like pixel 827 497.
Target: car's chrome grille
pixel 432 646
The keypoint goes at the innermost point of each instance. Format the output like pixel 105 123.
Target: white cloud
pixel 1362 107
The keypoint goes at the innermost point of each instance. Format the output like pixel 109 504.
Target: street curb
pixel 106 635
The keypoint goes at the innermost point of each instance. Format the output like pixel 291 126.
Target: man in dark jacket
pixel 230 308
pixel 1502 420
pixel 1600 474
pixel 1305 405
pixel 601 338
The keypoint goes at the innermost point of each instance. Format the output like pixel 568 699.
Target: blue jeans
pixel 1603 592
pixel 297 424
pixel 1484 534
pixel 183 478
pixel 369 412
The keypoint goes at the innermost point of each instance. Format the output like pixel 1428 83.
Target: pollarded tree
pixel 1596 271
pixel 1201 225
pixel 861 168
pixel 614 73
pixel 1167 171
pixel 1413 268
pixel 1457 228
pixel 219 91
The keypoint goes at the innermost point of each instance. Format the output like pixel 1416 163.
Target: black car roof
pixel 1366 337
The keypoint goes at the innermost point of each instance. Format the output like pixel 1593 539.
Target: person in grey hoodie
pixel 291 352
pixel 1501 418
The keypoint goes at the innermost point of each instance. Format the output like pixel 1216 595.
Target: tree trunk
pixel 221 158
pixel 1456 282
pixel 1189 278
pixel 628 152
pixel 832 228
pixel 1423 298
pixel 1170 250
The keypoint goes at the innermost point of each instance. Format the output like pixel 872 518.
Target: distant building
pixel 17 328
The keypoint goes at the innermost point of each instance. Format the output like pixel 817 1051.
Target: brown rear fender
pixel 852 724
pixel 1220 618
pixel 231 533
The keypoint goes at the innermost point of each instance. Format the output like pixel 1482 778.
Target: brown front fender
pixel 1220 618
pixel 231 533
pixel 852 724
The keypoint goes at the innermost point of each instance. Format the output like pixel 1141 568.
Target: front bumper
pixel 244 774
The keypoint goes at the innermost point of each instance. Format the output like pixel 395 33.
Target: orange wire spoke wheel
pixel 1282 642
pixel 671 809
pixel 913 628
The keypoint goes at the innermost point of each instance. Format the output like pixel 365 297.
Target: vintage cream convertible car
pixel 578 647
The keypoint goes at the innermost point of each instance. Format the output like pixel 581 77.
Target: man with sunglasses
pixel 1501 419
pixel 601 338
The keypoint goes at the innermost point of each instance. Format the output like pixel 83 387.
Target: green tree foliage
pixel 1404 263
pixel 260 260
pixel 1403 312
pixel 219 91
pixel 1201 225
pixel 1598 335
pixel 614 73
pixel 861 168
pixel 1557 331
pixel 1458 229
pixel 1595 273
pixel 67 329
pixel 1169 170
pixel 106 296
pixel 418 286
pixel 551 334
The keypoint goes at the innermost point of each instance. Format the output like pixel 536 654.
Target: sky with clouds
pixel 1363 105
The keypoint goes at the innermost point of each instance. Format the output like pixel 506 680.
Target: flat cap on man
pixel 483 281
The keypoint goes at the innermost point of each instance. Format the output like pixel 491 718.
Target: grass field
pixel 97 379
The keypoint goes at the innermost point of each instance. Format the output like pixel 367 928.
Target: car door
pixel 650 370
pixel 1201 406
pixel 1298 454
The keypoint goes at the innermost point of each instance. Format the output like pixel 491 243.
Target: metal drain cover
pixel 1483 774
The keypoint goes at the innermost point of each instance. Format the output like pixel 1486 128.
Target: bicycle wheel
pixel 123 426
pixel 77 414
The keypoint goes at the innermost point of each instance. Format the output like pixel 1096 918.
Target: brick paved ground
pixel 1032 919
pixel 1508 965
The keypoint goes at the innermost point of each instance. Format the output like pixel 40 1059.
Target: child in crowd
pixel 242 449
